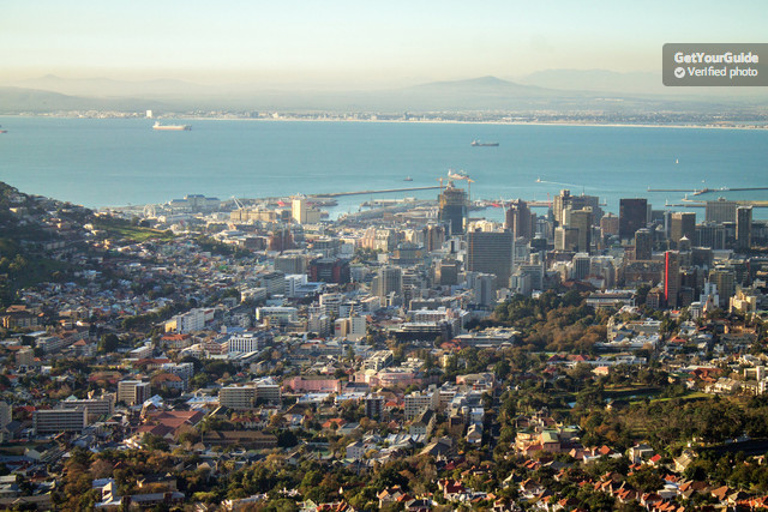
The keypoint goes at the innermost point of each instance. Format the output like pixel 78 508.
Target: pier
pixel 371 192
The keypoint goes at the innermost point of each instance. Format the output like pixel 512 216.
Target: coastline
pixel 294 119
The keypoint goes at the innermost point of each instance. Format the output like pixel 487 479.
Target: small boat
pixel 3 131
pixel 408 178
pixel 479 143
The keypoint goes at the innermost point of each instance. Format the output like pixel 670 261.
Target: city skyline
pixel 350 44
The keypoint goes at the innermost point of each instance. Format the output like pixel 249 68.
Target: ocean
pixel 118 162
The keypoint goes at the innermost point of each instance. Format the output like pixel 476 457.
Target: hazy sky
pixel 362 43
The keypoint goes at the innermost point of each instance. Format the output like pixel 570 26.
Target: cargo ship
pixel 484 144
pixel 171 127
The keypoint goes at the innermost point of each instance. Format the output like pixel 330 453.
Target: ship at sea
pixel 460 175
pixel 484 144
pixel 3 131
pixel 171 127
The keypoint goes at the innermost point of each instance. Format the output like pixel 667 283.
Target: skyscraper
pixel 682 224
pixel 643 244
pixel 743 228
pixel 671 278
pixel 434 236
pixel 453 209
pixel 582 221
pixel 720 211
pixel 519 220
pixel 566 239
pixel 725 280
pixel 491 253
pixel 565 199
pixel 388 280
pixel 633 215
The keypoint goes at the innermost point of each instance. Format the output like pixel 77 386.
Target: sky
pixel 359 43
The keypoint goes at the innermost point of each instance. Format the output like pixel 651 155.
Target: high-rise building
pixel 582 221
pixel 725 280
pixel 743 228
pixel 710 235
pixel 238 398
pixel 633 215
pixel 447 272
pixel 566 239
pixel 519 220
pixel 51 421
pixel 453 209
pixel 299 209
pixel 681 224
pixel 291 263
pixel 671 278
pixel 580 266
pixel 720 211
pixel 643 244
pixel 329 270
pixel 491 253
pixel 609 225
pixel 484 287
pixel 132 392
pixel 388 280
pixel 434 237
pixel 6 414
pixel 565 199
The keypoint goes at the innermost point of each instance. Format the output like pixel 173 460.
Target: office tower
pixel 671 278
pixel 609 225
pixel 682 224
pixel 710 235
pixel 633 215
pixel 291 264
pixel 743 228
pixel 281 239
pixel 434 236
pixel 389 280
pixel 329 270
pixel 725 280
pixel 519 220
pixel 447 273
pixel 484 288
pixel 491 253
pixel 720 211
pixel 566 239
pixel 580 266
pixel 565 199
pixel 299 209
pixel 582 221
pixel 643 244
pixel 701 257
pixel 453 209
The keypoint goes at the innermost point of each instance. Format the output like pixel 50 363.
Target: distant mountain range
pixel 562 90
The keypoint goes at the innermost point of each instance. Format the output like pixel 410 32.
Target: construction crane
pixel 239 205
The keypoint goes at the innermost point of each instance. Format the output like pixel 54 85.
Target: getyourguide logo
pixel 709 64
pixel 728 57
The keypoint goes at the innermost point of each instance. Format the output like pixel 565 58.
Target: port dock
pixel 372 192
